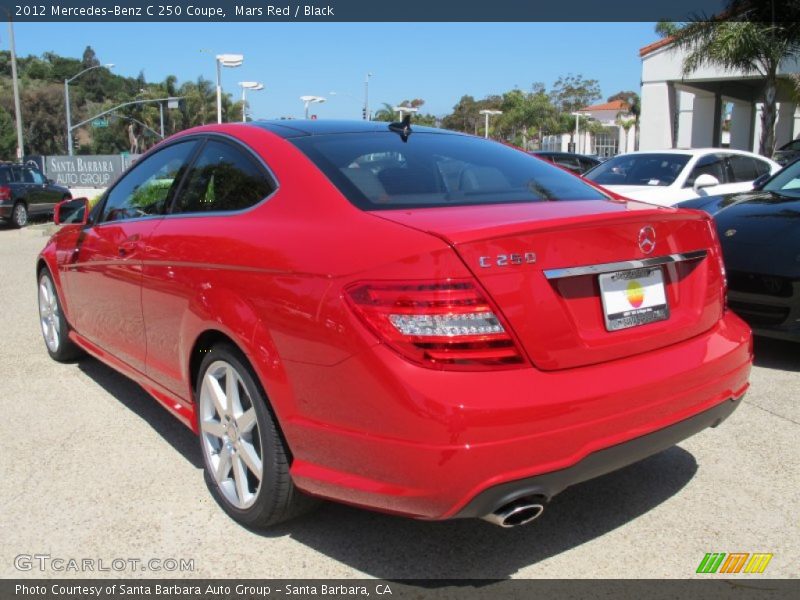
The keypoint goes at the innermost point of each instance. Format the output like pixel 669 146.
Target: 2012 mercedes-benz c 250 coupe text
pixel 400 318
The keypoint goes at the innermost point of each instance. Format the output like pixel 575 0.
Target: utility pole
pixel 15 80
pixel 366 97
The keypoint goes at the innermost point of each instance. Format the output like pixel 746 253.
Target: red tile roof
pixel 617 105
pixel 655 46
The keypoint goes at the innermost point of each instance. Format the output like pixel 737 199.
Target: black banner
pixel 467 589
pixel 359 10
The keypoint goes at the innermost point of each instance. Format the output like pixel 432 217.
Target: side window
pixel 16 175
pixel 743 167
pixel 568 162
pixel 711 164
pixel 761 167
pixel 34 176
pixel 5 175
pixel 223 178
pixel 149 186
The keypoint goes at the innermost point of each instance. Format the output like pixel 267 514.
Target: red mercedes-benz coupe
pixel 400 318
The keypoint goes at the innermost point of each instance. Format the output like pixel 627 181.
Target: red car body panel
pixel 365 426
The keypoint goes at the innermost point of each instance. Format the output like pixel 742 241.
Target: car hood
pixel 759 231
pixel 645 193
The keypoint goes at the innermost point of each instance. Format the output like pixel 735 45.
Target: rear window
pixel 639 169
pixel 378 171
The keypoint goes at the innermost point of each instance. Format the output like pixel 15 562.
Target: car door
pixel 104 276
pixel 40 196
pixel 195 250
pixel 715 164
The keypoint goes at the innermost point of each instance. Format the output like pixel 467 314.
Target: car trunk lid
pixel 542 264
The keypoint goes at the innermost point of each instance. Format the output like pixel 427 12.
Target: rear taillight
pixel 446 324
pixel 5 192
pixel 717 249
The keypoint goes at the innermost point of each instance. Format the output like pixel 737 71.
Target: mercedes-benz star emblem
pixel 647 239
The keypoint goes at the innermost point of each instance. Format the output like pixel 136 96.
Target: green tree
pixel 634 109
pixel 572 92
pixel 748 38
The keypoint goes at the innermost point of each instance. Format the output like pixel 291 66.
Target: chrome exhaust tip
pixel 516 513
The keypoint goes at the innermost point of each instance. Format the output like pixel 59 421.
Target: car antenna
pixel 402 127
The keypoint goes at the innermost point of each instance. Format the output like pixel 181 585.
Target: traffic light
pixel 364 113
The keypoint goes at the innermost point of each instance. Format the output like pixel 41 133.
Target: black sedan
pixel 760 235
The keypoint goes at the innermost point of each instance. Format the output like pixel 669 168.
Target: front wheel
pixel 246 460
pixel 54 326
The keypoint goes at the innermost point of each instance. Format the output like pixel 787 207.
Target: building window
pixel 606 143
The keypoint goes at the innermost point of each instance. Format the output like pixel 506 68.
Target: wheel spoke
pixel 224 464
pixel 217 395
pixel 232 392
pixel 212 427
pixel 247 420
pixel 250 457
pixel 240 476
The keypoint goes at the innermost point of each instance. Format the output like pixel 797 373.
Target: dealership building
pixel 710 107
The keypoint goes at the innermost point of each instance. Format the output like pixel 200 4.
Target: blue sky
pixel 435 61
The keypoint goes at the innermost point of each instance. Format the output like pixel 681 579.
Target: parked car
pixel 577 163
pixel 760 235
pixel 667 177
pixel 25 192
pixel 787 153
pixel 406 319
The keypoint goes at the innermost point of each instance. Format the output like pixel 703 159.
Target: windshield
pixel 378 171
pixel 639 169
pixel 786 182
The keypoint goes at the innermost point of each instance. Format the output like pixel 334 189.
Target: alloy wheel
pixel 230 436
pixel 49 315
pixel 20 215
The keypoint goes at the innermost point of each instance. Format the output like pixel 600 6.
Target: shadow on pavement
pixel 396 548
pixel 135 399
pixel 392 547
pixel 777 354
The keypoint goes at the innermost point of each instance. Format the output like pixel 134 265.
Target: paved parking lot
pixel 94 468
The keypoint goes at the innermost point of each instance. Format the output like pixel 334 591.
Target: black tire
pixel 19 215
pixel 65 349
pixel 276 499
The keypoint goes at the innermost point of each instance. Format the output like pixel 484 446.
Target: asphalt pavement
pixel 93 469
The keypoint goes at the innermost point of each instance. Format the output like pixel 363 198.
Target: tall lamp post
pixel 254 86
pixel 401 110
pixel 309 100
pixel 366 115
pixel 486 112
pixel 577 116
pixel 66 101
pixel 225 60
pixel 15 85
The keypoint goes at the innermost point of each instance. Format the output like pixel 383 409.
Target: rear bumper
pixel 598 463
pixel 375 431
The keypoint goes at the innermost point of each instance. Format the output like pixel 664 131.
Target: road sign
pixel 100 123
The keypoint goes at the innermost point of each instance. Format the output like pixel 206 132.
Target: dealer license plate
pixel 632 298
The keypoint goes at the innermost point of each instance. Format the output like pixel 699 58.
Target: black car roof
pixel 297 128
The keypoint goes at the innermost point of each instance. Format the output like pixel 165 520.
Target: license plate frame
pixel 633 297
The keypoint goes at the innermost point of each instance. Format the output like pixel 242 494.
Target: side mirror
pixel 72 212
pixel 703 181
pixel 759 182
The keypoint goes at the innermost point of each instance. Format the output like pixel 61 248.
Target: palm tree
pixel 747 38
pixel 385 114
pixel 626 125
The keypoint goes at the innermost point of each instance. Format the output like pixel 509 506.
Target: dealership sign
pixel 85 171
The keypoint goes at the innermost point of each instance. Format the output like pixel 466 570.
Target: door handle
pixel 129 246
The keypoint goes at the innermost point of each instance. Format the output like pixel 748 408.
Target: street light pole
pixel 69 109
pixel 486 112
pixel 225 60
pixel 577 116
pixel 15 83
pixel 366 97
pixel 308 100
pixel 248 85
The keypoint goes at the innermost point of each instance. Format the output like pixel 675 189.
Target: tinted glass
pixel 793 145
pixel 709 164
pixel 743 167
pixel 639 169
pixel 223 178
pixel 761 167
pixel 786 182
pixel 379 170
pixel 5 175
pixel 149 186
